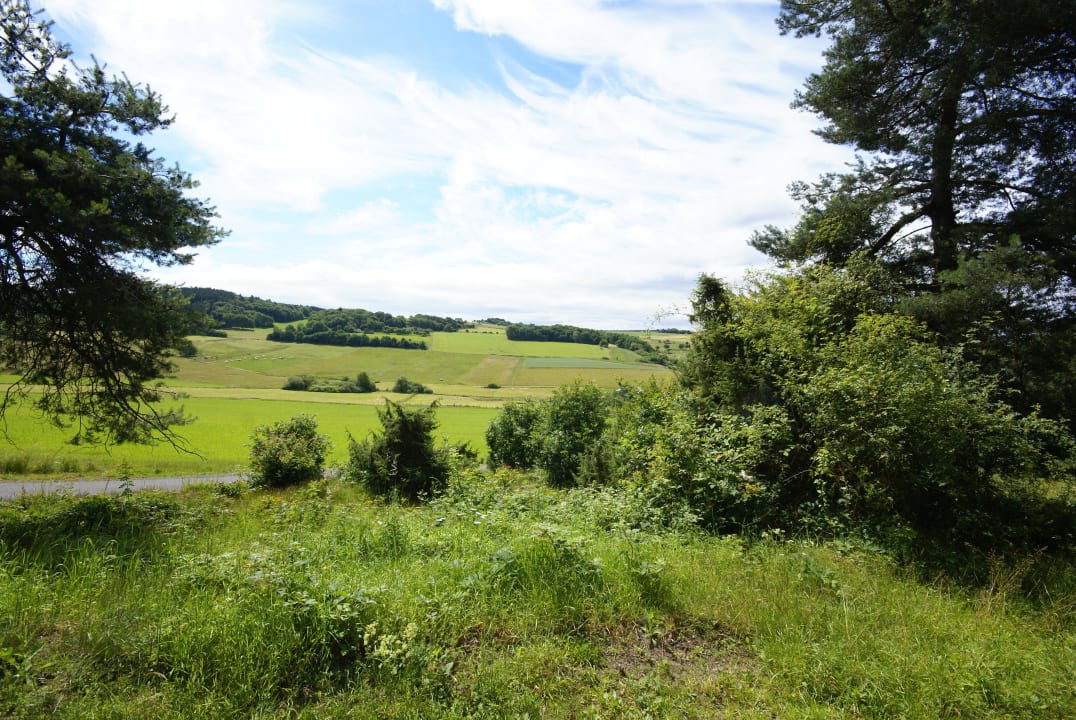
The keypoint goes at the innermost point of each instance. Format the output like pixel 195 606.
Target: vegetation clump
pixel 560 435
pixel 586 336
pixel 403 460
pixel 410 387
pixel 226 309
pixel 513 436
pixel 361 384
pixel 288 452
pixel 359 328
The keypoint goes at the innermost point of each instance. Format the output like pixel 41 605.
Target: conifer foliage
pixel 84 205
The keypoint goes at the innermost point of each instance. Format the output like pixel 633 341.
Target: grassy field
pixel 235 384
pixel 500 599
pixel 218 438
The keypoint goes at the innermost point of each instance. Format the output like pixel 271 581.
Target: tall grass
pixel 501 598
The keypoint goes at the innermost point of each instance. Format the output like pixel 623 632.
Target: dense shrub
pixel 361 384
pixel 409 387
pixel 572 421
pixel 287 452
pixel 299 382
pixel 663 455
pixel 54 523
pixel 560 435
pixel 364 384
pixel 186 349
pixel 512 436
pixel 403 460
pixel 824 409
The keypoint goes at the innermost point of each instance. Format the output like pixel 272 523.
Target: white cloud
pixel 597 203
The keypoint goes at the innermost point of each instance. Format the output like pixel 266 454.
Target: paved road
pixel 12 490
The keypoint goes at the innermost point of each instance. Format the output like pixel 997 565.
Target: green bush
pixel 561 435
pixel 186 349
pixel 572 422
pixel 364 384
pixel 902 428
pixel 664 457
pixel 361 384
pixel 299 382
pixel 408 387
pixel 512 437
pixel 403 459
pixel 287 452
pixel 825 410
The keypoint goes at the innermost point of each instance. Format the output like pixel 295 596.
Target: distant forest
pixel 300 334
pixel 364 321
pixel 310 324
pixel 229 310
pixel 356 328
pixel 585 336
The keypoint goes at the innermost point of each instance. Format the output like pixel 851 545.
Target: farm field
pixel 234 384
pixel 218 439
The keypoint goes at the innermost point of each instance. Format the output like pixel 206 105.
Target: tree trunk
pixel 941 208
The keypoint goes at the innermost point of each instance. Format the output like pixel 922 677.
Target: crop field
pixel 218 438
pixel 234 384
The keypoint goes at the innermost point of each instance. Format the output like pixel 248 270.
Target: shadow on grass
pixel 47 528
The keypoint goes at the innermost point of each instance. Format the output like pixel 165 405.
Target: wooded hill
pixel 229 310
pixel 356 327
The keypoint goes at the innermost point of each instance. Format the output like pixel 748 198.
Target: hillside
pixel 228 310
pixel 233 384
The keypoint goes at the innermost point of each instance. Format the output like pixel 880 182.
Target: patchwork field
pixel 234 384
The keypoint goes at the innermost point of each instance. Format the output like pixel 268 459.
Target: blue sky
pixel 569 161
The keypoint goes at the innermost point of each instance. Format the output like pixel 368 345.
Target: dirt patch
pixel 688 653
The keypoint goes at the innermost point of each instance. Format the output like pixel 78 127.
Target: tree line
pixel 357 320
pixel 303 334
pixel 583 336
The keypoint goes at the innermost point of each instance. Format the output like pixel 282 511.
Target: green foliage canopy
pixel 967 114
pixel 572 424
pixel 354 327
pixel 83 204
pixel 584 336
pixel 229 310
pixel 512 436
pixel 963 116
pixel 561 435
pixel 410 387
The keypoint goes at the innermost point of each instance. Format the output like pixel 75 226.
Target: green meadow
pixel 217 441
pixel 234 384
pixel 499 599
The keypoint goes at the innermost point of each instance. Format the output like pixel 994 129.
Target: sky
pixel 546 161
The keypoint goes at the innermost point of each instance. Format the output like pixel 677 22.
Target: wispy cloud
pixel 625 148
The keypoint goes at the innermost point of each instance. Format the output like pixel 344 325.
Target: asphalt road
pixel 12 490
